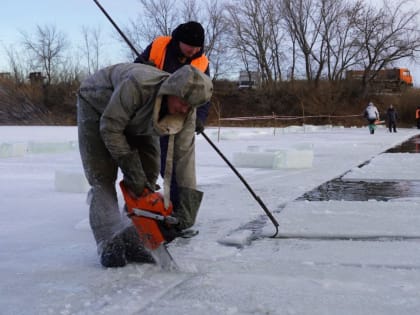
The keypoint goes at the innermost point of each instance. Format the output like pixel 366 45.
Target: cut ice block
pixel 310 128
pixel 51 147
pixel 17 149
pixel 254 159
pixel 275 160
pixel 293 159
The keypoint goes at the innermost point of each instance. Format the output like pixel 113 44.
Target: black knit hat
pixel 190 33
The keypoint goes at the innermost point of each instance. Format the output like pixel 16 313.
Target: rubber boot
pixel 112 253
pixel 134 249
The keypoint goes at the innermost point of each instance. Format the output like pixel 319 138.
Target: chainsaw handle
pixel 127 192
pixel 152 215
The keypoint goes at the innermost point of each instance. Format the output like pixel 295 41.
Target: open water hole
pixel 338 189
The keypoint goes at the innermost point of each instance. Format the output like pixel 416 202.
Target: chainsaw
pixel 154 224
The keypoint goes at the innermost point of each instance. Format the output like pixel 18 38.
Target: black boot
pixel 112 253
pixel 134 249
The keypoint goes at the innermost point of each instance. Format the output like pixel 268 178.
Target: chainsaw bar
pixel 163 259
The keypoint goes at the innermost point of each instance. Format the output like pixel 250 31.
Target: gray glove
pixel 189 203
pixel 132 169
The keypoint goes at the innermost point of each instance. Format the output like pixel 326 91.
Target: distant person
pixel 169 53
pixel 391 118
pixel 418 117
pixel 372 115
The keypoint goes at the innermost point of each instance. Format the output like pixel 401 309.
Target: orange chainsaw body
pixel 147 228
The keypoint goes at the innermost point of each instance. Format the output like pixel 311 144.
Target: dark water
pixel 410 146
pixel 338 189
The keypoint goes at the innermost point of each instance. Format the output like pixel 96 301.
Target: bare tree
pixel 276 38
pixel 254 35
pixel 45 49
pixel 216 50
pixel 303 19
pixel 70 70
pixel 16 64
pixel 240 40
pixel 387 34
pixel 190 10
pixel 156 18
pixel 343 49
pixel 92 47
pixel 159 17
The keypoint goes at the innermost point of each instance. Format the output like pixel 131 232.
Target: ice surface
pixel 238 238
pixel 388 166
pixel 274 159
pixel 70 180
pixel 351 219
pixel 332 264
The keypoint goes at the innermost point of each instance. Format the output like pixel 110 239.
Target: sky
pixel 329 257
pixel 67 16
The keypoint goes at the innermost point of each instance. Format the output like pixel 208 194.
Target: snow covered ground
pixel 332 257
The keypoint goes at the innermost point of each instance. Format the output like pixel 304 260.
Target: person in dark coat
pixel 169 53
pixel 391 118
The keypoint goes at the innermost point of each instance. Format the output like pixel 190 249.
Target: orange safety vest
pixel 158 52
pixel 417 113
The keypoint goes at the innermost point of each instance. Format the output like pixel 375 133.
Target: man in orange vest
pixel 169 53
pixel 418 117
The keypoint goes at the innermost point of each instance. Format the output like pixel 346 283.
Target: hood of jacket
pixel 188 83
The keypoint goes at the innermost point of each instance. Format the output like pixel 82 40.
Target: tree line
pixel 309 40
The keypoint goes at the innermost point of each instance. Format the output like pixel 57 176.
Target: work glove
pixel 187 208
pixel 199 126
pixel 134 178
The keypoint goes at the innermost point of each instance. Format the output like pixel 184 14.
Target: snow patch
pixel 71 180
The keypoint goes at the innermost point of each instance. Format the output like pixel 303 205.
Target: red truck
pixel 394 79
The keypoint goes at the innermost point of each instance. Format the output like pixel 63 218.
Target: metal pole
pixel 119 31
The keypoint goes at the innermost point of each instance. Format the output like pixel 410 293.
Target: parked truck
pixel 384 80
pixel 249 79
